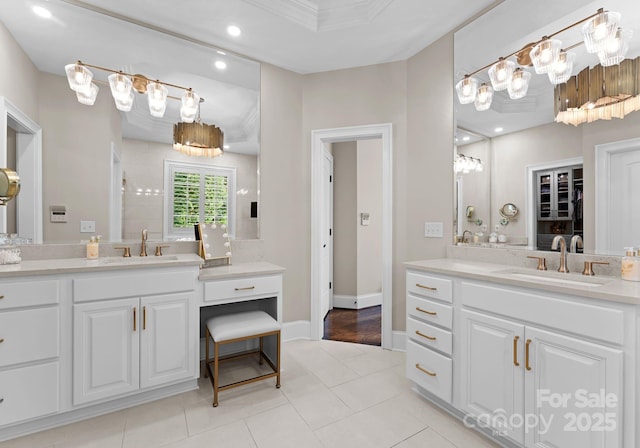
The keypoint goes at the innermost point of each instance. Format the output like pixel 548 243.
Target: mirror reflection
pixel 554 173
pixel 114 172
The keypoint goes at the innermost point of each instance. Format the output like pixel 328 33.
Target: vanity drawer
pixel 28 293
pixel 28 392
pixel 242 287
pixel 429 286
pixel 28 335
pixel 430 336
pixel 429 370
pixel 430 311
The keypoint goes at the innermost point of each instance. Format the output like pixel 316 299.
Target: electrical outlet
pixel 87 226
pixel 433 230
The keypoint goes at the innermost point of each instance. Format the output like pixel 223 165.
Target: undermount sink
pixel 137 260
pixel 560 279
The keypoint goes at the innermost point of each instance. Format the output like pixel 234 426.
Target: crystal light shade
pixel 484 97
pixel 616 48
pixel 519 84
pixel 500 74
pixel 189 109
pixel 467 89
pixel 545 54
pixel 88 97
pixel 157 96
pixel 598 30
pixel 79 77
pixel 120 86
pixel 124 103
pixel 561 70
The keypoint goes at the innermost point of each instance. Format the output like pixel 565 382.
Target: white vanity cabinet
pixel 429 324
pixel 29 348
pixel 128 336
pixel 511 368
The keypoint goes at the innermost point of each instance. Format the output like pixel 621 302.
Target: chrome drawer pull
pixel 422 369
pixel 431 313
pixel 431 338
pixel 245 289
pixel 426 287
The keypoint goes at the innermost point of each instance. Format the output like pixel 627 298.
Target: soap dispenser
pixel 93 248
pixel 630 267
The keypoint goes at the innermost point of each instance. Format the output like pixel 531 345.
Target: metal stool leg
pixel 206 355
pixel 216 381
pixel 261 354
pixel 278 361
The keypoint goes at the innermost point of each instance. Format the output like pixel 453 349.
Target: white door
pixel 563 372
pixel 624 206
pixel 491 377
pixel 105 349
pixel 326 275
pixel 166 347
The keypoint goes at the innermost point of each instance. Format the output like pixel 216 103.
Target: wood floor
pixel 359 326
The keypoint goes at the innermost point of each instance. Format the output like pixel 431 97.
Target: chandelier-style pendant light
pixel 190 136
pixel 602 35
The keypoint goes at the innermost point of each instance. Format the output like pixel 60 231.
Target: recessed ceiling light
pixel 498 129
pixel 234 30
pixel 221 65
pixel 42 12
pixel 466 138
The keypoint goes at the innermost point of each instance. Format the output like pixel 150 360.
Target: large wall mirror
pixel 528 159
pixel 108 167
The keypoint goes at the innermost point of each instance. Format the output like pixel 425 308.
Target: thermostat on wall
pixel 58 213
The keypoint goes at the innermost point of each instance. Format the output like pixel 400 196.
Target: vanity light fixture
pixel 463 164
pixel 601 34
pixel 123 85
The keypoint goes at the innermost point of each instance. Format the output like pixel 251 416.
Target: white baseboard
pixel 399 341
pixel 298 329
pixel 357 302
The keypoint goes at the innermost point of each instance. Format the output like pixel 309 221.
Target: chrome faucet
pixel 464 233
pixel 563 252
pixel 576 243
pixel 143 244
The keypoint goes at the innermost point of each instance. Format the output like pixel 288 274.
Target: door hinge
pixel 329 285
pixel 330 230
pixel 330 178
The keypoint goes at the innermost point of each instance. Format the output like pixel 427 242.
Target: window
pixel 197 193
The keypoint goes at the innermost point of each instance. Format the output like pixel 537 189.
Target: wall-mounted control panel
pixel 58 213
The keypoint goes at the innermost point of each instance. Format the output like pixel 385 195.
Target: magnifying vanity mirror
pixel 118 170
pixel 9 185
pixel 556 173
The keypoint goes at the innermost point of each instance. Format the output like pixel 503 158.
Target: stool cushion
pixel 241 325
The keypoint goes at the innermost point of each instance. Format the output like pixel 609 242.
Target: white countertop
pixel 240 270
pixel 603 287
pixel 66 265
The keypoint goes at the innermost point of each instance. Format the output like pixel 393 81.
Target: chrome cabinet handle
pixel 422 369
pixel 431 313
pixel 515 351
pixel 245 289
pixel 426 287
pixel 431 338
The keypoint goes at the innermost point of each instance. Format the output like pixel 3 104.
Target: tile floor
pixel 334 394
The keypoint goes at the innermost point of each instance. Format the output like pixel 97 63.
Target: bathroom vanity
pixel 531 358
pixel 81 337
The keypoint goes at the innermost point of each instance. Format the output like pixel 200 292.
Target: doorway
pixel 321 139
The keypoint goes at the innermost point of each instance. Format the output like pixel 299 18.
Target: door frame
pixel 29 168
pixel 603 155
pixel 328 158
pixel 320 138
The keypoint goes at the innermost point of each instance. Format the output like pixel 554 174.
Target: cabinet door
pixel 167 344
pixel 563 194
pixel 105 349
pixel 564 371
pixel 545 192
pixel 491 378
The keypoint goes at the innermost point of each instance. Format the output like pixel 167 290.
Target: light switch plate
pixel 87 226
pixel 433 230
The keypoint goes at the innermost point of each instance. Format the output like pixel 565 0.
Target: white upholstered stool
pixel 235 328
